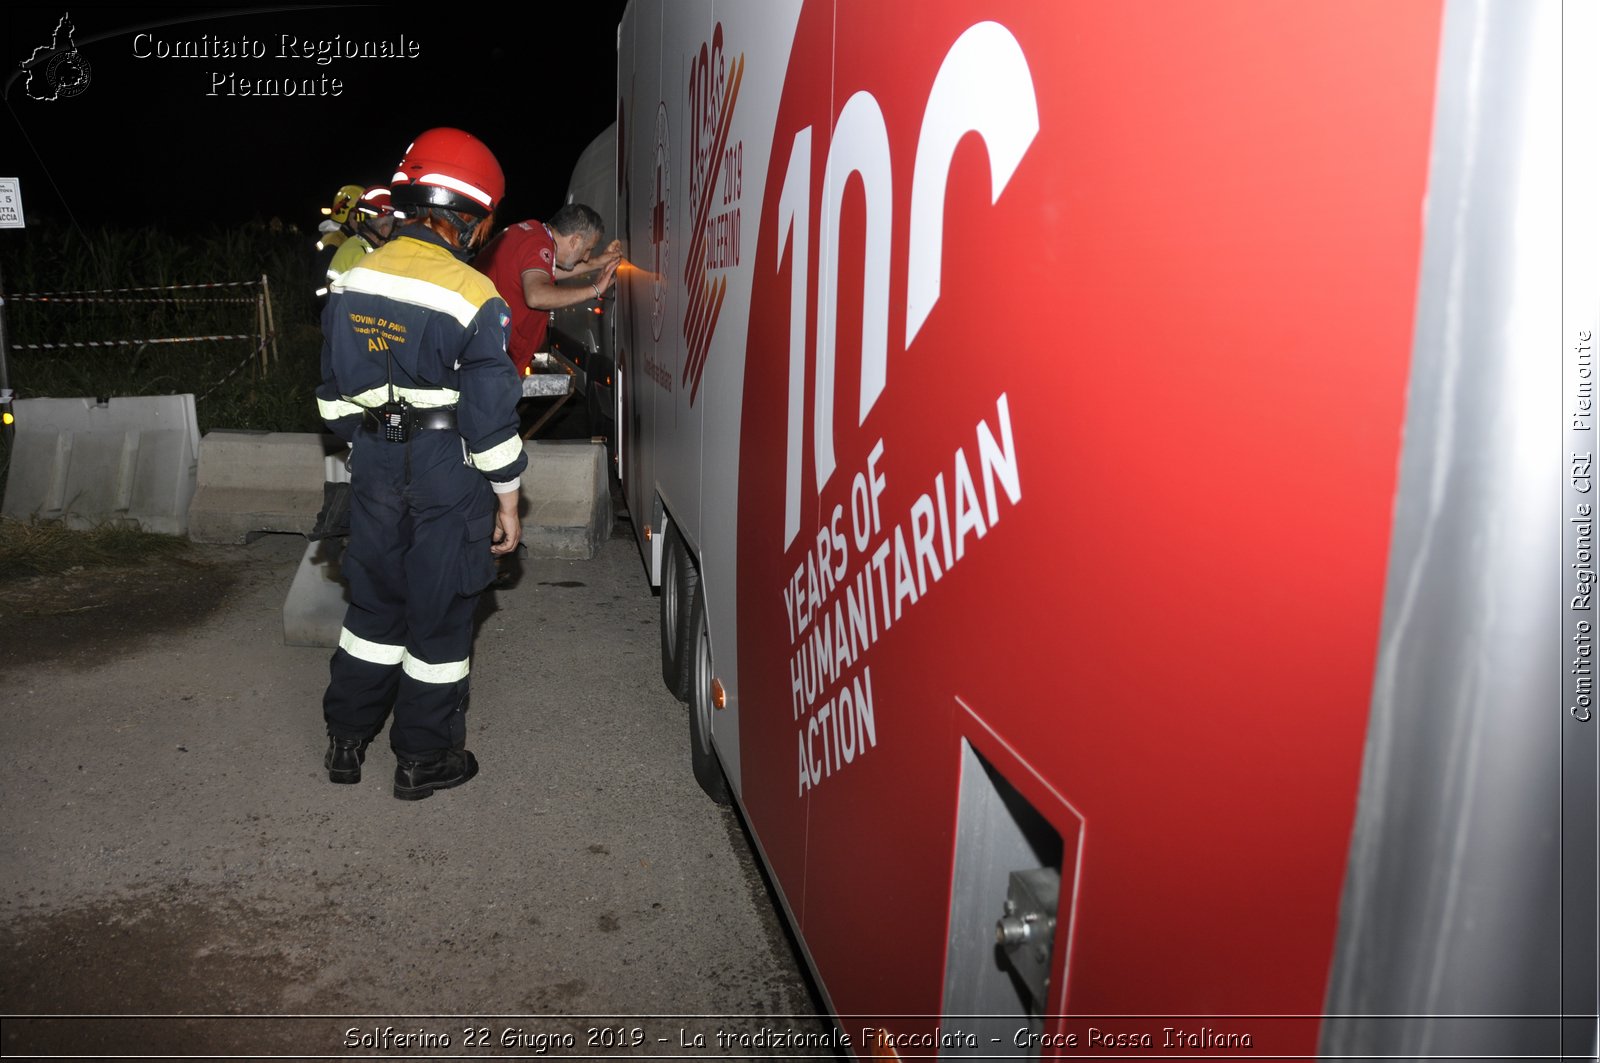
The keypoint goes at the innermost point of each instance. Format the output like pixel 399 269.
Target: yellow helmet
pixel 343 200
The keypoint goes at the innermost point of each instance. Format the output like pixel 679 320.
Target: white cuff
pixel 507 487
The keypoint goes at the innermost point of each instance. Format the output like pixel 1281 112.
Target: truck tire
pixel 702 757
pixel 680 588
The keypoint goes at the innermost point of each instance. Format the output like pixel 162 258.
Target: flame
pixel 628 267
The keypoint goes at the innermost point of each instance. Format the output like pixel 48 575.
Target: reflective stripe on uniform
pixel 498 456
pixel 333 409
pixel 423 672
pixel 372 652
pixel 409 290
pixel 422 398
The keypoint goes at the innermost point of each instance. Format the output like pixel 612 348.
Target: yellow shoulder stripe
pixel 421 274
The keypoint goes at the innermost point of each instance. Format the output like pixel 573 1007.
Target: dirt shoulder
pixel 171 845
pixel 87 613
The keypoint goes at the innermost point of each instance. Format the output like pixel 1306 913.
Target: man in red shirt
pixel 526 259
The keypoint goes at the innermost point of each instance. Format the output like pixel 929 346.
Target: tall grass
pixel 50 258
pixel 233 390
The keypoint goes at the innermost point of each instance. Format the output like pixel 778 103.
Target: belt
pixel 432 418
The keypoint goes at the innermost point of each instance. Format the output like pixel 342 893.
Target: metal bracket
pixel 1026 933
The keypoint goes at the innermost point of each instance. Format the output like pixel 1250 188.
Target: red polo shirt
pixel 517 249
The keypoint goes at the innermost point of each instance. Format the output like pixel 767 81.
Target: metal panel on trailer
pixel 1454 919
pixel 677 433
pixel 750 63
pixel 643 210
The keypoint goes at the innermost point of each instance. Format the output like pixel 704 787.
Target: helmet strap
pixel 446 224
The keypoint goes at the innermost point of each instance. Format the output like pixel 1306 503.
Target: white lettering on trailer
pixel 860 146
pixel 951 515
pixel 983 86
pixel 922 528
pixel 794 219
pixel 865 485
pixel 836 617
pixel 842 729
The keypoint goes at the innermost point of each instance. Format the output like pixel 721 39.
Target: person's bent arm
pixel 541 292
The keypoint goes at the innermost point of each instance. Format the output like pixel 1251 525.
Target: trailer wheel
pixel 707 768
pixel 680 587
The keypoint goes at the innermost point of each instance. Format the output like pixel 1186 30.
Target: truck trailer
pixel 1114 476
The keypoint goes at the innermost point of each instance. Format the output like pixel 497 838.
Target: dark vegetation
pixel 236 384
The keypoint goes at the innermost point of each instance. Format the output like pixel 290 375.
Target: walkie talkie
pixel 396 422
pixel 395 414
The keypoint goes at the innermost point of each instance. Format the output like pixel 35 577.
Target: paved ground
pixel 171 845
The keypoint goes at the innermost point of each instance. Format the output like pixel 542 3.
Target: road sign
pixel 11 204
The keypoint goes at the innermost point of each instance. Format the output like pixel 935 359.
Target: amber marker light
pixel 719 696
pixel 7 419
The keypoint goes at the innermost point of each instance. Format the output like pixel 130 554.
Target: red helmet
pixel 375 201
pixel 448 168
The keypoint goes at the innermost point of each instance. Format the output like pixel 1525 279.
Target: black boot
pixel 416 779
pixel 344 758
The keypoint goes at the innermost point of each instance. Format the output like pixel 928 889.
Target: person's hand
pixel 507 525
pixel 606 275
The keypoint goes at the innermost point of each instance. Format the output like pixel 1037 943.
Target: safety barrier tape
pixel 124 343
pixel 94 295
pixel 242 363
pixel 47 298
pixel 152 288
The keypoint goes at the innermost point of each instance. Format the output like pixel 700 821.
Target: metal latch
pixel 1026 933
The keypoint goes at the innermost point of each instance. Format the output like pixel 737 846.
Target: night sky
pixel 146 142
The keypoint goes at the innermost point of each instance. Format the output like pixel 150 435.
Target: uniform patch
pixel 544 253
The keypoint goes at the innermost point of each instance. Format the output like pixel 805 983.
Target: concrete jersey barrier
pixel 566 507
pixel 251 482
pixel 86 461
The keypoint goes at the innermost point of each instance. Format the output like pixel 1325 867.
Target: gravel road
pixel 179 878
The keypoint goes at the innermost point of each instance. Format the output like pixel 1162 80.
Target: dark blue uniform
pixel 414 323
